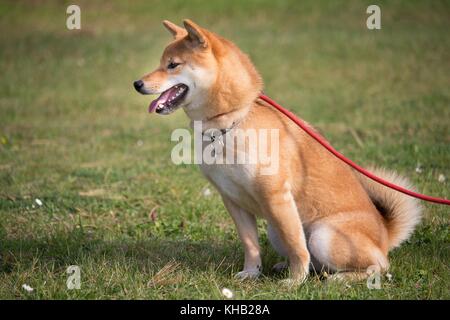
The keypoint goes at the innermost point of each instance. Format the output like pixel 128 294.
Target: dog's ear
pixel 175 30
pixel 195 34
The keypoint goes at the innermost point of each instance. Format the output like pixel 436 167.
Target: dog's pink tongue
pixel 160 100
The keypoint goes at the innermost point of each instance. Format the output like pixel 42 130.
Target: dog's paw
pixel 248 274
pixel 348 277
pixel 280 266
pixel 292 283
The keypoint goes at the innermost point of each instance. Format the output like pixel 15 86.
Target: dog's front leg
pixel 248 233
pixel 282 213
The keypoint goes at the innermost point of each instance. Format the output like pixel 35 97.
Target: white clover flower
pixel 38 201
pixel 389 276
pixel 207 192
pixel 441 178
pixel 227 293
pixel 27 288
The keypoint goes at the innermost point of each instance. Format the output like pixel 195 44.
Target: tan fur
pixel 401 212
pixel 318 208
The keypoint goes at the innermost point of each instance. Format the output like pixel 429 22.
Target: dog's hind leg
pixel 279 248
pixel 351 248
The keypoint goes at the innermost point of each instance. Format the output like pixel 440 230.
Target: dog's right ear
pixel 175 30
pixel 195 34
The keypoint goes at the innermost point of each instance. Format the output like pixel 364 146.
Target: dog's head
pixel 197 71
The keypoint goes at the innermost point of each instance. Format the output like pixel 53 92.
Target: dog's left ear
pixel 176 31
pixel 195 34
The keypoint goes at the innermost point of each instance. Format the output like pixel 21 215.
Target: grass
pixel 75 135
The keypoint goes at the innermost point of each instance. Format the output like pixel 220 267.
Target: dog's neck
pixel 226 119
pixel 220 111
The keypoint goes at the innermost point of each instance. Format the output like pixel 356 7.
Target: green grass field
pixel 76 135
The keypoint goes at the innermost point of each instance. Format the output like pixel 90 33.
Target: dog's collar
pixel 215 134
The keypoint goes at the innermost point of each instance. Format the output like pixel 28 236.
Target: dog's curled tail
pixel 400 211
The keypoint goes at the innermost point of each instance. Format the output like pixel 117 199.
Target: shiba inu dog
pixel 321 214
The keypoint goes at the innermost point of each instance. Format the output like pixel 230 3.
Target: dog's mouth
pixel 169 100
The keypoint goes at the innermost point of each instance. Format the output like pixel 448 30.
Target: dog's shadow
pixel 150 256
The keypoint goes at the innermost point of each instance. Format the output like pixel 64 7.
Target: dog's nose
pixel 138 84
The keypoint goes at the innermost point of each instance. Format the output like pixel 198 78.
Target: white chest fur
pixel 234 181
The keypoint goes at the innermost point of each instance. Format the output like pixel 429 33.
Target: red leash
pixel 327 146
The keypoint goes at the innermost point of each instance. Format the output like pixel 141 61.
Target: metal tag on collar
pixel 216 133
pixel 217 145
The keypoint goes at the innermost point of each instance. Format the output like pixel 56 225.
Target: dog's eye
pixel 172 65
